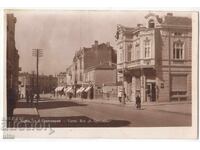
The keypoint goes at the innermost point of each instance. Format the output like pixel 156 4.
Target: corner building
pixel 155 60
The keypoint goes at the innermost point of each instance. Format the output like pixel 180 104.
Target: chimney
pixel 96 43
pixel 170 14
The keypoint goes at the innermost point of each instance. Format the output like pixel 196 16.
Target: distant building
pixel 28 81
pixel 69 76
pixel 12 65
pixel 155 60
pixel 62 79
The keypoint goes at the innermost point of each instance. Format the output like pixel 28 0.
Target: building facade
pixel 101 77
pixel 88 63
pixel 12 65
pixel 154 60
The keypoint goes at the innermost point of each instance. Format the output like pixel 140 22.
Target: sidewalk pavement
pixel 183 107
pixel 24 109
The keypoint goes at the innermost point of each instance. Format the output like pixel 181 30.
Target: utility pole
pixel 37 53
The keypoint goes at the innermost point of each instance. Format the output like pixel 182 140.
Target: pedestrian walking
pixel 138 102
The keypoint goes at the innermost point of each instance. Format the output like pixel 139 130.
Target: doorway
pixel 150 91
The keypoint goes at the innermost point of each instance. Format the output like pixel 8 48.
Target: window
pixel 121 56
pixel 151 23
pixel 178 51
pixel 80 63
pixel 147 49
pixel 178 87
pixel 81 76
pixel 137 50
pixel 75 66
pixel 129 46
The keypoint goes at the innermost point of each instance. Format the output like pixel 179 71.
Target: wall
pixel 105 76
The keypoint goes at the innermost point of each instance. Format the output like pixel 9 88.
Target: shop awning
pixel 59 88
pixel 65 89
pixel 87 89
pixel 69 89
pixel 80 90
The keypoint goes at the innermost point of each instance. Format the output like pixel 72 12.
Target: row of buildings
pixel 152 60
pixel 92 69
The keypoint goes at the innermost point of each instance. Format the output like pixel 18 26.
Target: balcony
pixel 139 63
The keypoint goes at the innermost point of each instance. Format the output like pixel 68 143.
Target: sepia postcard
pixel 100 74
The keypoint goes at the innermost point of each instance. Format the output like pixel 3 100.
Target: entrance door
pixel 151 91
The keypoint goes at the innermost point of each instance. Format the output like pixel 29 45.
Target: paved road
pixel 72 113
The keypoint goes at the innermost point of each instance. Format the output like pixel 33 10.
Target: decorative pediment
pixel 152 20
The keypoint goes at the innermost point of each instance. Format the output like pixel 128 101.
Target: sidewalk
pixel 183 107
pixel 24 109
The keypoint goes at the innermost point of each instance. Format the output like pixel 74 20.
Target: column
pixel 142 87
pixel 133 90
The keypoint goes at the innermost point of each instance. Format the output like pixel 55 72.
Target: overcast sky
pixel 61 33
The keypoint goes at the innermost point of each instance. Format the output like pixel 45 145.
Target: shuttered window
pixel 179 82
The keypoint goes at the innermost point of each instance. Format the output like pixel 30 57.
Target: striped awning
pixel 69 89
pixel 59 88
pixel 80 90
pixel 88 88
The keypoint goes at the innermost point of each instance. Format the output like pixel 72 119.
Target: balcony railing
pixel 142 63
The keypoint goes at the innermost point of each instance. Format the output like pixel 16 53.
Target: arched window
pixel 151 23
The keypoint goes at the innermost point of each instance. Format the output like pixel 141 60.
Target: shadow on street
pixel 57 104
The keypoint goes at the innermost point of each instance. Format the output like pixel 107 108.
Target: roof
pixel 125 29
pixel 177 21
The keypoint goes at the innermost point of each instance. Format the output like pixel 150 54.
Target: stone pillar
pixel 142 87
pixel 133 90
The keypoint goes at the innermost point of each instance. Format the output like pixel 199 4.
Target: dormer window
pixel 151 23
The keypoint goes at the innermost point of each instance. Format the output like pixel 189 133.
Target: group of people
pixel 29 96
pixel 122 94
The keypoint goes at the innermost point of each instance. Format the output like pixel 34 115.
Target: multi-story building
pixel 12 65
pixel 154 60
pixel 88 60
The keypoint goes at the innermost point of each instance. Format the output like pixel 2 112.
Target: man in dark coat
pixel 138 102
